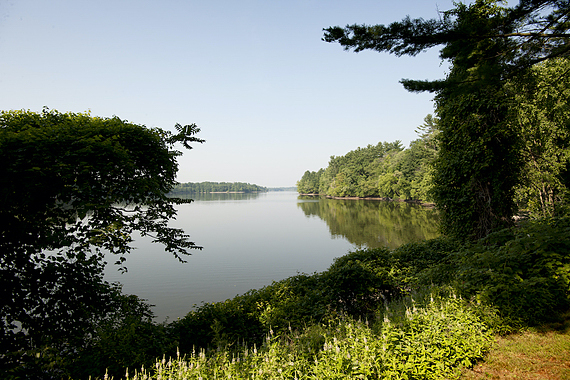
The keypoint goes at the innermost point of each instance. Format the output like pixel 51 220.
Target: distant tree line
pixel 384 170
pixel 210 187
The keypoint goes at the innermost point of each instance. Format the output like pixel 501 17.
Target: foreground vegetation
pixel 424 310
pixel 428 339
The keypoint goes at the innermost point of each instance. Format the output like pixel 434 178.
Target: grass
pixel 542 353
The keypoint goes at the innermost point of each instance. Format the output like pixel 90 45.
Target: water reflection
pixel 372 223
pixel 217 196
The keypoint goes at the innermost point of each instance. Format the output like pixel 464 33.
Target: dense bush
pixel 127 336
pixel 524 272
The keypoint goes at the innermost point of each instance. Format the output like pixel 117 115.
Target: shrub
pixel 126 338
pixel 526 276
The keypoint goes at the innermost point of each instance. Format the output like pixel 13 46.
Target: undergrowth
pixel 421 311
pixel 428 340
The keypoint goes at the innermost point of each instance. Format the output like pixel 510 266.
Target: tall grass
pixel 427 339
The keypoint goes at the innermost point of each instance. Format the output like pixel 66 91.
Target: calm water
pixel 251 240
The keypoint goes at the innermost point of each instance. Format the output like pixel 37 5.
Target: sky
pixel 271 98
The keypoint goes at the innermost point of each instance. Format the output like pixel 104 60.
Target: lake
pixel 251 240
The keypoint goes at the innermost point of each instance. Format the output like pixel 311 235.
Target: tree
pixel 542 114
pixel 479 163
pixel 309 183
pixel 73 186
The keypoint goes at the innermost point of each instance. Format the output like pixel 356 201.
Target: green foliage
pixel 529 32
pixel 542 112
pixel 385 170
pixel 413 263
pixel 125 337
pixel 73 186
pixel 478 166
pixel 430 341
pixel 303 326
pixel 219 324
pixel 520 275
pixel 212 187
pixel 309 183
pixel 525 273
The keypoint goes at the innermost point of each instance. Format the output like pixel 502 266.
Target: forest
pixel 216 187
pixel 385 170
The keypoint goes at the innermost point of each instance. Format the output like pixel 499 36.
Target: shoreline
pixel 385 199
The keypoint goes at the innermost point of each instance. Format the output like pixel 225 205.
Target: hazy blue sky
pixel 271 98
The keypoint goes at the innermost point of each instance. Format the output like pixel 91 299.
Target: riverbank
pixel 411 201
pixel 429 310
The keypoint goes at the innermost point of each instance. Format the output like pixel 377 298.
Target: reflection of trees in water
pixel 373 223
pixel 217 196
